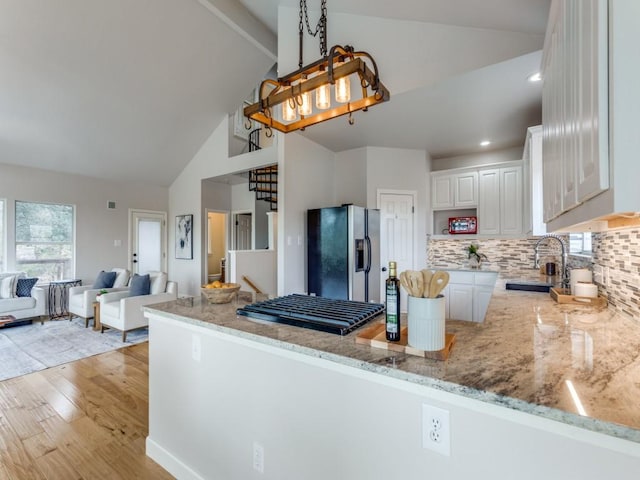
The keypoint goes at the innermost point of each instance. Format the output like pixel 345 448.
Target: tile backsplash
pixel 618 254
pixel 506 254
pixel 615 261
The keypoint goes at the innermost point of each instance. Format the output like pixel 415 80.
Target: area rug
pixel 29 348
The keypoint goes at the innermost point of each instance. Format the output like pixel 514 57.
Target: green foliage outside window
pixel 44 240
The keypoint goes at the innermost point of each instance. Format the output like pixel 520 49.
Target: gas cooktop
pixel 318 313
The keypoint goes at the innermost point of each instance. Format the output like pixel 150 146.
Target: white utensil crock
pixel 425 323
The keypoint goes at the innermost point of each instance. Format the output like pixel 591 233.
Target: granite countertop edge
pixel 588 423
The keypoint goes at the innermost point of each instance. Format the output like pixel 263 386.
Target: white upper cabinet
pixel 591 109
pixel 532 183
pixel 466 189
pixel 442 191
pixel 500 200
pixel 454 190
pixel 511 200
pixel 489 202
pixel 590 105
pixel 575 106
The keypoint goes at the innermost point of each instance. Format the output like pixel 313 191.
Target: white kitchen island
pixel 319 406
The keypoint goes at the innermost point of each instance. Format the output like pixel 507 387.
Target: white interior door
pixel 147 243
pixel 242 231
pixel 396 235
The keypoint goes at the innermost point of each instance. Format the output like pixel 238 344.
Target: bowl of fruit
pixel 218 292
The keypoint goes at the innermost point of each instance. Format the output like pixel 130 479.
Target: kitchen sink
pixel 529 286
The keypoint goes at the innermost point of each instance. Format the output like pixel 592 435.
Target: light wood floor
pixel 84 420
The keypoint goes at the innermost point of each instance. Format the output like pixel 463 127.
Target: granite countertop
pixel 531 354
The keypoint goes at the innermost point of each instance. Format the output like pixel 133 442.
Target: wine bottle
pixel 392 321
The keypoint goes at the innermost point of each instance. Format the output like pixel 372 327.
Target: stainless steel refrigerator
pixel 343 253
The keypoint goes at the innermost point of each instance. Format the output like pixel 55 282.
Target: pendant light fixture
pixel 291 97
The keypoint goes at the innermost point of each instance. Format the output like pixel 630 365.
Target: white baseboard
pixel 169 462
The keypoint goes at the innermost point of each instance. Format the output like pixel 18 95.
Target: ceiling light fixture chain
pixel 323 79
pixel 321 26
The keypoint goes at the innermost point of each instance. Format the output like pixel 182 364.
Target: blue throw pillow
pixel 105 280
pixel 24 286
pixel 140 285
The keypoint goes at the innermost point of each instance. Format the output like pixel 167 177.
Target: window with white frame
pixel 580 243
pixel 45 240
pixel 3 242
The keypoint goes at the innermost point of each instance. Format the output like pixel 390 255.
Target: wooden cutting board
pixel 563 295
pixel 374 336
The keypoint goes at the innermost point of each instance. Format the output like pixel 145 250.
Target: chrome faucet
pixel 565 256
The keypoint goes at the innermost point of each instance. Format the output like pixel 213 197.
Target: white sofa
pixel 24 307
pixel 120 311
pixel 81 299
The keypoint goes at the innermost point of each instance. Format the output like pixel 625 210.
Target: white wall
pixel 186 196
pixel 351 177
pixel 319 420
pixel 96 226
pixel 476 159
pixel 261 224
pixel 242 200
pixel 402 169
pixel 305 176
pixel 259 266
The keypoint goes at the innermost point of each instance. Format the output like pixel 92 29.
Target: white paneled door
pixel 242 231
pixel 148 241
pixel 396 234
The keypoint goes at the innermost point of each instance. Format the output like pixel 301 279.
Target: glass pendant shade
pixel 323 97
pixel 304 104
pixel 289 110
pixel 343 90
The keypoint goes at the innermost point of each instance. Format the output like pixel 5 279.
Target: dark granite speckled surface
pixel 528 355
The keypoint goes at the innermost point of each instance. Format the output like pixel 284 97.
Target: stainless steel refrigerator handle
pixel 367 269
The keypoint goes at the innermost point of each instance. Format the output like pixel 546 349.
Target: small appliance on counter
pixel 463 225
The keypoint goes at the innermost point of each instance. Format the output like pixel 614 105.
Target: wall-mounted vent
pixel 111 205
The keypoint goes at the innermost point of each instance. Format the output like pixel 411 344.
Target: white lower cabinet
pixel 481 299
pixel 468 295
pixel 461 302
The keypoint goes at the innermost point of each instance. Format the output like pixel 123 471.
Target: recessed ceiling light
pixel 485 143
pixel 535 77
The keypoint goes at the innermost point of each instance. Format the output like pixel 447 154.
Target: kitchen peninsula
pixel 552 389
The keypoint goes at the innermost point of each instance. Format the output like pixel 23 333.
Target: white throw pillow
pixel 122 277
pixel 8 286
pixel 158 282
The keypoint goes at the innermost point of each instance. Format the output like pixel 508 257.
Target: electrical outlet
pixel 196 347
pixel 436 434
pixel 523 257
pixel 258 457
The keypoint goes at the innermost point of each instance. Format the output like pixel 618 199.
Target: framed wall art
pixel 184 237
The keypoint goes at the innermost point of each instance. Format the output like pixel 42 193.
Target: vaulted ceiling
pixel 130 89
pixel 120 89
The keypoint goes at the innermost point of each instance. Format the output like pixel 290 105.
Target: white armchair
pixel 120 311
pixel 81 299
